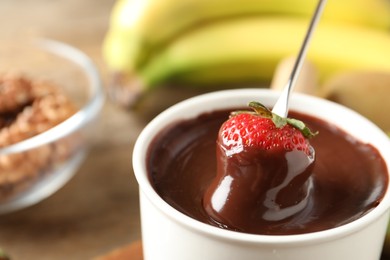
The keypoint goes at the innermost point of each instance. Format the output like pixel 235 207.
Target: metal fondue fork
pixel 281 106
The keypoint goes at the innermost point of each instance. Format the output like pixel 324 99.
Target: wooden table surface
pixel 97 211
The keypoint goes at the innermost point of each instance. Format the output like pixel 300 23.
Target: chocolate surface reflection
pixel 348 179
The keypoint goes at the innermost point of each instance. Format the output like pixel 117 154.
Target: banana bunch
pixel 229 42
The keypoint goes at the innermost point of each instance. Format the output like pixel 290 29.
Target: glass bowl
pixel 34 168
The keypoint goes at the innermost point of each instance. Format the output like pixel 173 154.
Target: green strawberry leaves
pixel 263 111
pixel 301 127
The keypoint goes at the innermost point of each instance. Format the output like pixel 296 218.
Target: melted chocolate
pixel 348 179
pixel 254 186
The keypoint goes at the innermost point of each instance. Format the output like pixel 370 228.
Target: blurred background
pixel 152 54
pixel 97 210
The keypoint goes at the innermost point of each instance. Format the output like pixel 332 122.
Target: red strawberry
pixel 264 165
pixel 263 130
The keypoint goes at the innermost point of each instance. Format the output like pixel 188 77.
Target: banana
pixel 238 50
pixel 139 28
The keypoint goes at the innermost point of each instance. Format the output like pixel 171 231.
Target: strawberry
pixel 264 166
pixel 263 130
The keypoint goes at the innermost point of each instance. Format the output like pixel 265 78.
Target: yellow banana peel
pixel 251 47
pixel 139 28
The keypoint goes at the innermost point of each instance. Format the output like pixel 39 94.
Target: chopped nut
pixel 15 92
pixel 28 108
